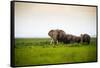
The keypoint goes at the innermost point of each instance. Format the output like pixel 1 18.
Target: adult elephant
pixel 85 38
pixel 66 38
pixel 56 35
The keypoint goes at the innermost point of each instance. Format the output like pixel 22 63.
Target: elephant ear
pixel 50 32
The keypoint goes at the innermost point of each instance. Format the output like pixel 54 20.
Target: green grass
pixel 37 51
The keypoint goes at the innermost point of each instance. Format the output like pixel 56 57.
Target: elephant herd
pixel 58 35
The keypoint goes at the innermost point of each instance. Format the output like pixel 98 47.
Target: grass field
pixel 38 51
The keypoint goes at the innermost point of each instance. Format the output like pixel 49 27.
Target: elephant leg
pixel 51 42
pixel 57 41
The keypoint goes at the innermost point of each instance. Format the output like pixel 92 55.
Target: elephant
pixel 69 38
pixel 53 34
pixel 76 39
pixel 56 35
pixel 85 38
pixel 66 38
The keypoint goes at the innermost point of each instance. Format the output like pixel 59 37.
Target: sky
pixel 36 20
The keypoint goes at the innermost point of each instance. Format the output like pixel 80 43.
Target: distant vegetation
pixel 38 51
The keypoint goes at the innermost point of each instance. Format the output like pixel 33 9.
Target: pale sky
pixel 35 20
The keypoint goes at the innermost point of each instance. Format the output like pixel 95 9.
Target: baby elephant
pixel 85 38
